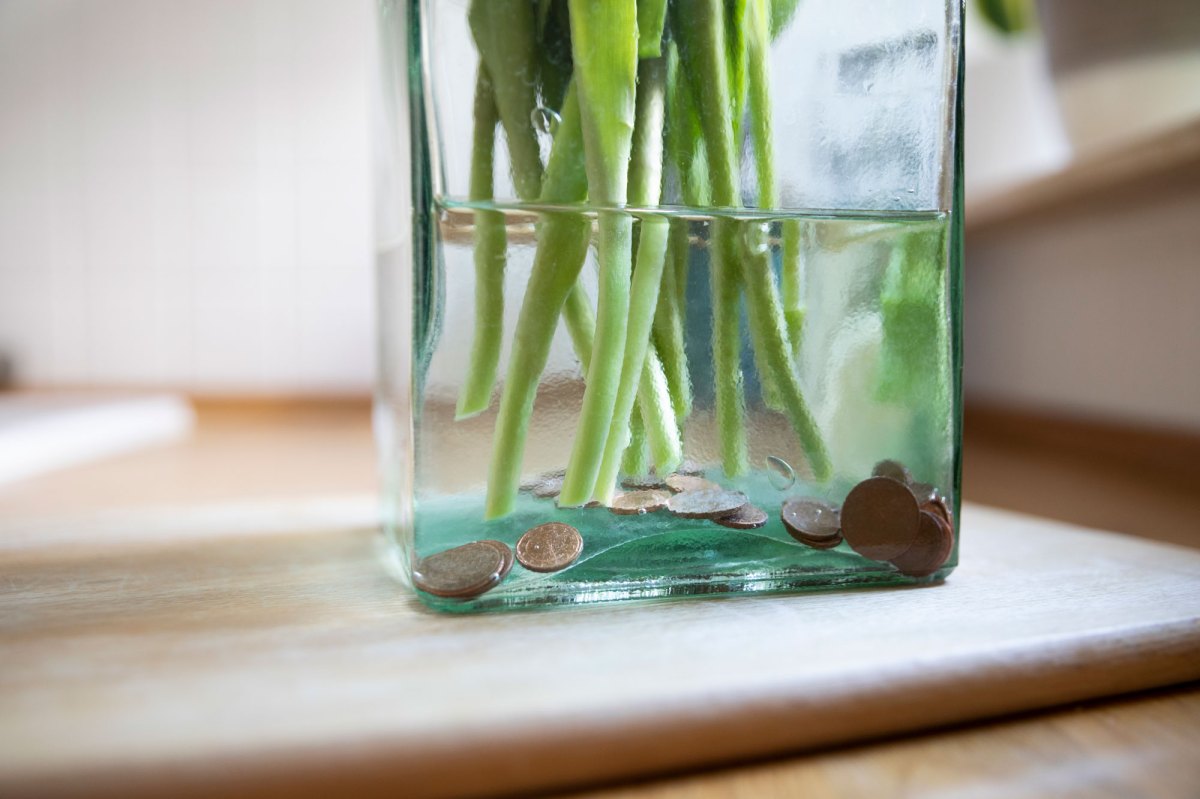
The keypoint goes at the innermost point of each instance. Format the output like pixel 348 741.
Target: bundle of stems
pixel 640 89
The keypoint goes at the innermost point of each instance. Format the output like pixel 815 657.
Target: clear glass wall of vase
pixel 669 296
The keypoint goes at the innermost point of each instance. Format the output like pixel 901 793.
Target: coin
pixel 810 519
pixel 924 492
pixel 548 488
pixel 938 507
pixel 506 557
pixel 746 517
pixel 706 504
pixel 639 502
pixel 929 550
pixel 643 483
pixel 893 469
pixel 549 547
pixel 880 518
pixel 530 483
pixel 691 468
pixel 465 571
pixel 689 482
pixel 822 543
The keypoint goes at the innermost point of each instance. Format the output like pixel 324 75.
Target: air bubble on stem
pixel 545 120
pixel 757 238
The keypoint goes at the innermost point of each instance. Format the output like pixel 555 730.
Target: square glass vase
pixel 669 296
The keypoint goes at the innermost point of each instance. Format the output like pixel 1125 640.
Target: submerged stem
pixel 604 43
pixel 491 244
pixel 562 247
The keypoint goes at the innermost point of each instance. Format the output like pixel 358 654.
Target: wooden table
pixel 147 636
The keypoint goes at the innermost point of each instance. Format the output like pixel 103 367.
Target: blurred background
pixel 185 219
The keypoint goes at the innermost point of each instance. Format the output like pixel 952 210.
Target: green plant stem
pixel 636 458
pixel 668 320
pixel 505 33
pixel 562 248
pixel 604 45
pixel 792 285
pixel 581 325
pixel 758 42
pixel 701 58
pixel 491 245
pixel 654 397
pixel 645 189
pixel 651 18
pixel 702 53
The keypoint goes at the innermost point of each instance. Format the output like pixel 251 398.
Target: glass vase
pixel 669 296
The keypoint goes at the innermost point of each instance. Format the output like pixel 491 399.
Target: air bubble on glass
pixel 780 473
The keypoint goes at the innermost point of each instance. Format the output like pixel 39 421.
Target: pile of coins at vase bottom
pixel 888 517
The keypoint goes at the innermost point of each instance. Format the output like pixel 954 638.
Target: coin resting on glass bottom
pixel 679 483
pixel 643 483
pixel 465 571
pixel 639 502
pixel 880 518
pixel 929 550
pixel 821 543
pixel 549 547
pixel 807 520
pixel 747 517
pixel 706 504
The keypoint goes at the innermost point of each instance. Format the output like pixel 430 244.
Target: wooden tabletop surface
pixel 288 472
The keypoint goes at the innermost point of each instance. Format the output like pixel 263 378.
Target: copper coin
pixel 638 502
pixel 880 518
pixel 465 571
pixel 939 507
pixel 924 492
pixel 506 557
pixel 680 483
pixel 643 483
pixel 549 547
pixel 821 543
pixel 893 469
pixel 809 519
pixel 746 517
pixel 930 549
pixel 706 504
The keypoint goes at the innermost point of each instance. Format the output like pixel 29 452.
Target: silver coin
pixel 706 504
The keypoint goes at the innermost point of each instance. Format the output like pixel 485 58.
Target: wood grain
pixel 260 664
pixel 214 616
pixel 1144 746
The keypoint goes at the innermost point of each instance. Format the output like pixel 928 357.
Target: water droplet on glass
pixel 780 473
pixel 757 238
pixel 544 120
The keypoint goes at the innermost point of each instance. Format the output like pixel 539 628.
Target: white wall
pixel 184 193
